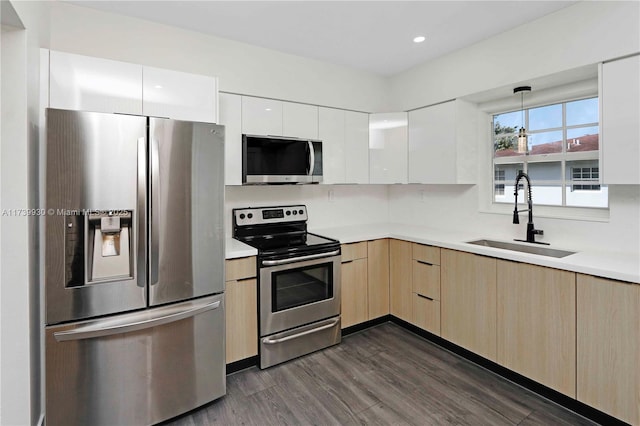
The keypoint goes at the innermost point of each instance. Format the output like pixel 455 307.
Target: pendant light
pixel 523 143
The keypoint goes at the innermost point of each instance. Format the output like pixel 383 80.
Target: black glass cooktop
pixel 292 243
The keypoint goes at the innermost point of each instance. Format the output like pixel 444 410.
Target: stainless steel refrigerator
pixel 134 268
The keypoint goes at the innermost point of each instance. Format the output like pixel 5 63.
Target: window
pixel 562 158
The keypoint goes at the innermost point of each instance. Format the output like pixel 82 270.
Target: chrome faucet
pixel 531 231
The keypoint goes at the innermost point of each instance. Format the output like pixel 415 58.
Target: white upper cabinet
pixel 620 121
pixel 356 149
pixel 345 145
pixel 261 116
pixel 299 120
pixel 331 129
pixel 388 148
pixel 231 119
pixel 85 83
pixel 179 95
pixel 442 144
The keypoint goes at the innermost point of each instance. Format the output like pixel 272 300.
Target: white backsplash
pixel 327 205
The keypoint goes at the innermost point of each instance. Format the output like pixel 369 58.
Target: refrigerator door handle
pixel 154 242
pixel 110 327
pixel 141 239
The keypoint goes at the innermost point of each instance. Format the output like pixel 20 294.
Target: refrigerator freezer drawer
pixel 138 368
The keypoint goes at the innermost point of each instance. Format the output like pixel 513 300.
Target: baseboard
pixel 242 364
pixel 365 325
pixel 540 389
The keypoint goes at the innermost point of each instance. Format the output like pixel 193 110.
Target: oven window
pixel 301 286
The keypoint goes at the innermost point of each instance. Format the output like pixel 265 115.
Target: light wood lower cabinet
pixel 378 278
pixel 401 301
pixel 365 281
pixel 608 346
pixel 537 324
pixel 241 310
pixel 468 301
pixel 426 287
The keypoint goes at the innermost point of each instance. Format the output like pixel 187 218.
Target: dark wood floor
pixel 381 376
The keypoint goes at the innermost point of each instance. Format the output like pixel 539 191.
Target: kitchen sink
pixel 543 251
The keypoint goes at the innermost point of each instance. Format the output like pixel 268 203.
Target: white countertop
pixel 617 266
pixel 235 249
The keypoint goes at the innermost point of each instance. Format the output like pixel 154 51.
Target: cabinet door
pixel 426 279
pixel 356 149
pixel 620 121
pixel 401 303
pixel 231 119
pixel 426 313
pixel 432 149
pixel 468 301
pixel 83 83
pixel 241 319
pixel 261 116
pixel 179 95
pixel 299 120
pixel 388 148
pixel 537 324
pixel 608 349
pixel 332 134
pixel 354 292
pixel 378 284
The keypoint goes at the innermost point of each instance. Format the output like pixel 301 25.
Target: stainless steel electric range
pixel 298 282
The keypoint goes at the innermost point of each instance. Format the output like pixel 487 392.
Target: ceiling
pixel 374 36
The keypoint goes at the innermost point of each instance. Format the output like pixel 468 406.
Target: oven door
pixel 298 291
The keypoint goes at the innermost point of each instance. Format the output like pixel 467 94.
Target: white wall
pixel 241 68
pixel 585 33
pixel 19 282
pixel 349 204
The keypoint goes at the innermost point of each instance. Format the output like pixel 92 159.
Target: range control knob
pixel 241 215
pixel 288 212
pixel 300 211
pixel 250 215
pixel 295 212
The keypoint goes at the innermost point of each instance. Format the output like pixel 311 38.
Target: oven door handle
pixel 270 341
pixel 299 259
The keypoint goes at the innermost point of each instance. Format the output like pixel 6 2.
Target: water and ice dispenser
pixel 99 247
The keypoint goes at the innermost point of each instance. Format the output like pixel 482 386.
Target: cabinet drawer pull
pixel 347 261
pixel 424 263
pixel 425 297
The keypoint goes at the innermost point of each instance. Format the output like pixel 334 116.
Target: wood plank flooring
pixel 384 375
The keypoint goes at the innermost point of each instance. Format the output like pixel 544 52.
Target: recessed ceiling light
pixel 419 39
pixel 157 86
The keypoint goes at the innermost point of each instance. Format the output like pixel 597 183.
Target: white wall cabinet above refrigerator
pixel 620 121
pixel 442 144
pixel 179 95
pixel 388 148
pixel 85 83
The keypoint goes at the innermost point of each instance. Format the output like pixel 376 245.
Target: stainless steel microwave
pixel 279 160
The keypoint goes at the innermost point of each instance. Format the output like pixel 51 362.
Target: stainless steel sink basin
pixel 543 251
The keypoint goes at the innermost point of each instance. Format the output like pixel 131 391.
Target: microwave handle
pixel 312 158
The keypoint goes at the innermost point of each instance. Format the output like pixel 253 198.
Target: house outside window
pixel 562 159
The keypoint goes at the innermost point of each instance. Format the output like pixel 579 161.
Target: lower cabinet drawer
pixel 426 313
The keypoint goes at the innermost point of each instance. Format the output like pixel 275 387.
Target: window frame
pixel 566 183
